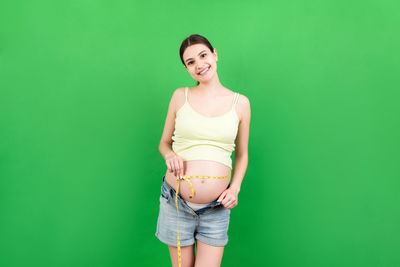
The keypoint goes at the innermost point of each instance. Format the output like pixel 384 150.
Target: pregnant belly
pixel 205 190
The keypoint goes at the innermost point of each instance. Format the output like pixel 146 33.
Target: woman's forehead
pixel 194 50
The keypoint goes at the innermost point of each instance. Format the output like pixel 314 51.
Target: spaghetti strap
pixel 186 93
pixel 235 99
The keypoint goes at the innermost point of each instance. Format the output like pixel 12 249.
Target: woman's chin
pixel 205 79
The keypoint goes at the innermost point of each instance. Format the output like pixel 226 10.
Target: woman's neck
pixel 211 88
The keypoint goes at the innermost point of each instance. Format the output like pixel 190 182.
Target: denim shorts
pixel 209 224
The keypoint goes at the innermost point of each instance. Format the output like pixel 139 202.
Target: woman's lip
pixel 208 68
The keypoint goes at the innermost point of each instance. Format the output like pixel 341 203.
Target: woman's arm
pixel 229 198
pixel 173 162
pixel 165 146
pixel 242 141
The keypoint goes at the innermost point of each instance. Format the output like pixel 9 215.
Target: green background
pixel 84 91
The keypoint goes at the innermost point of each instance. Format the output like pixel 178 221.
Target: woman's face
pixel 200 62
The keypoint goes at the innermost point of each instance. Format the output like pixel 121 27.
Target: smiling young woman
pixel 204 125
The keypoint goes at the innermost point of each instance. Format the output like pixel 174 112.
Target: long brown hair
pixel 191 40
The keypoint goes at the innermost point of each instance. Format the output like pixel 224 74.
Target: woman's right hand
pixel 174 164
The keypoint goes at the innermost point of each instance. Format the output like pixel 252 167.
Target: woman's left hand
pixel 229 198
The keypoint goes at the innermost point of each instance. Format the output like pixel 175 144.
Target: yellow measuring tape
pixel 187 178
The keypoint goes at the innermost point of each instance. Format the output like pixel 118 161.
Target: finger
pixel 181 167
pixel 169 167
pixel 228 202
pixel 179 163
pixel 221 197
pixel 228 206
pixel 231 205
pixel 178 168
pixel 234 204
pixel 173 167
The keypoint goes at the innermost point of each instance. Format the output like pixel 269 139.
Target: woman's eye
pixel 190 62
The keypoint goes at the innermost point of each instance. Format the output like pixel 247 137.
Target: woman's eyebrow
pixel 198 54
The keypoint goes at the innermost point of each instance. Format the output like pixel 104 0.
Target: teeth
pixel 204 70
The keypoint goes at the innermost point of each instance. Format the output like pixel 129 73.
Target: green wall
pixel 84 91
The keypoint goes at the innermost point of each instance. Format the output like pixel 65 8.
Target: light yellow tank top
pixel 199 137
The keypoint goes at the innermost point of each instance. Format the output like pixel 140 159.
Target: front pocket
pixel 164 196
pixel 164 193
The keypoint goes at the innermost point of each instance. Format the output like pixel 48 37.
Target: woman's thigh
pixel 187 256
pixel 207 255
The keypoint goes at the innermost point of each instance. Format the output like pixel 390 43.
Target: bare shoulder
pixel 243 100
pixel 179 91
pixel 243 106
pixel 178 98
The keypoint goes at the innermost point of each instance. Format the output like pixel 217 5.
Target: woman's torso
pixel 206 190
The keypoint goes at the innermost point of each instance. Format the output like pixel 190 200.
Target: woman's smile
pixel 203 72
